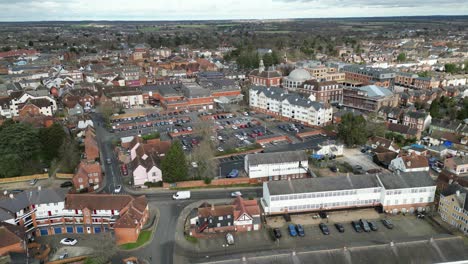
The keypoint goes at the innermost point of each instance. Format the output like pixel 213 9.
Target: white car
pixel 118 188
pixel 194 164
pixel 234 127
pixel 230 239
pixel 236 193
pixel 220 149
pixel 68 241
pixel 220 138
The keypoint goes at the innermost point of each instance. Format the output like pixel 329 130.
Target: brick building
pixel 269 77
pixel 369 98
pixel 368 75
pixel 325 92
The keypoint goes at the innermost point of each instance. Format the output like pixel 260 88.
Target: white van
pixel 182 195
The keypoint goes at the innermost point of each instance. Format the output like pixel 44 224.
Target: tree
pixel 19 145
pixel 107 109
pixel 267 59
pixel 51 139
pixel 69 154
pixel 451 68
pixel 434 109
pixel 174 166
pixel 374 127
pixel 352 129
pixel 401 57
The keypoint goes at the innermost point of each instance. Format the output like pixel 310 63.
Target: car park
pixel 324 229
pixel 68 241
pixel 357 227
pixel 365 225
pixel 339 227
pixel 373 226
pixel 300 230
pixel 387 223
pixel 292 230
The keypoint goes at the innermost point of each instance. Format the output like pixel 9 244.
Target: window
pixel 218 225
pixel 421 200
pixel 220 218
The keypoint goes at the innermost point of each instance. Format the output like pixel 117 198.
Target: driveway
pixel 355 157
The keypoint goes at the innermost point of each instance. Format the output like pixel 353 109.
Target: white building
pixel 394 192
pixel 277 165
pixel 409 163
pixel 17 102
pixel 278 102
pixel 296 79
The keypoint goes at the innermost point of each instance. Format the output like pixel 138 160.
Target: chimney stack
pixel 11 196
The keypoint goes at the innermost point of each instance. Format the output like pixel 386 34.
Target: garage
pixel 44 232
pixel 57 230
pixel 69 229
pixel 79 229
pixel 97 230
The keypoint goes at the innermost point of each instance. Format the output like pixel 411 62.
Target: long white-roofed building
pixel 399 192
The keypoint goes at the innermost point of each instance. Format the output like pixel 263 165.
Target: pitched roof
pixel 209 210
pixel 249 207
pixel 131 214
pixel 414 161
pixel 10 234
pixel 265 74
pixel 402 129
pixel 97 201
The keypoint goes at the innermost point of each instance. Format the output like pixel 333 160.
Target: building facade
pixel 368 75
pixel 404 192
pixel 276 165
pixel 369 98
pixel 453 206
pixel 325 92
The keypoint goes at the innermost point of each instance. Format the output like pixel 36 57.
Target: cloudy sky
pixel 35 10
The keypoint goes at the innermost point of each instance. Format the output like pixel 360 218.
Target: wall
pixel 64 175
pixel 267 170
pixel 25 178
pixel 216 182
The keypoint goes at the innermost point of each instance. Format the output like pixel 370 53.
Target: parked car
pixel 66 184
pixel 109 161
pixel 334 169
pixel 292 230
pixel 276 233
pixel 365 225
pixel 236 193
pixel 118 189
pixel 339 227
pixel 300 230
pixel 230 239
pixel 323 215
pixel 373 226
pixel 233 174
pixel 33 182
pixel 324 229
pixel 181 195
pixel 387 223
pixel 63 256
pixel 194 164
pixel 356 226
pixel 16 191
pixel 220 149
pixel 68 241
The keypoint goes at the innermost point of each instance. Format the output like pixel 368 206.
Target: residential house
pixel 409 163
pixel 36 107
pixel 379 142
pixel 145 159
pixel 446 178
pixel 91 146
pixel 457 165
pixel 88 176
pixel 453 206
pixel 240 216
pixel 406 131
pixel 276 165
pixel 392 193
pixel 12 238
pixel 391 114
pixel 19 99
pixel 420 120
pixel 426 83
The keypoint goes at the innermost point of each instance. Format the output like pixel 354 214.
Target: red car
pixel 124 169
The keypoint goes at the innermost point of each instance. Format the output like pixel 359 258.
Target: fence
pixel 217 182
pixel 64 175
pixel 24 178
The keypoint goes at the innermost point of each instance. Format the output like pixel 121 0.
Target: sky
pixel 72 10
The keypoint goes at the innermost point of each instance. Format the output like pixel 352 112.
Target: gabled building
pixel 242 215
pixel 36 107
pixel 420 120
pixel 88 175
pixel 18 100
pixel 276 165
pixel 457 165
pixel 12 239
pixel 324 91
pixel 91 146
pixel 409 163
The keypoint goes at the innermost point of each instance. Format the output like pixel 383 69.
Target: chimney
pixel 11 196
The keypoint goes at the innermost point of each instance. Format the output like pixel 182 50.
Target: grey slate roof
pixel 276 157
pixel 323 184
pixel 389 181
pixel 280 94
pixel 406 180
pixel 462 198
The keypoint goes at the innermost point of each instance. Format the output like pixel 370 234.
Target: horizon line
pixel 227 19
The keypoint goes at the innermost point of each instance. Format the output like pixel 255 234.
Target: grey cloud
pixel 379 3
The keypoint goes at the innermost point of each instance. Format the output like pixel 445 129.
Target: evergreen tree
pixel 51 139
pixel 174 166
pixel 435 108
pixel 352 129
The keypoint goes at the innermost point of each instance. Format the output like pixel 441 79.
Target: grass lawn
pixel 142 239
pixel 191 239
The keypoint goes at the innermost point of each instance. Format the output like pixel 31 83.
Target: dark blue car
pixel 292 230
pixel 300 230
